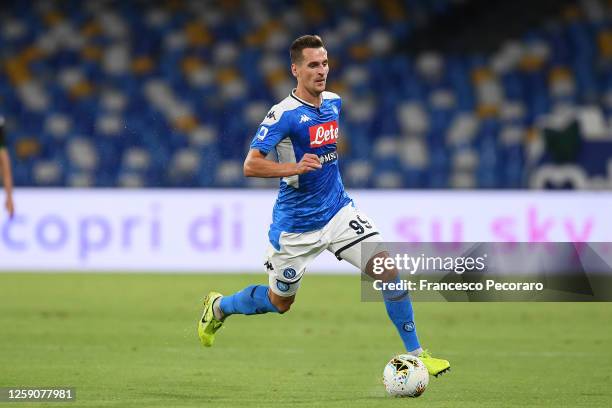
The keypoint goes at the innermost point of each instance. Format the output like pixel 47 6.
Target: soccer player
pixel 5 171
pixel 313 212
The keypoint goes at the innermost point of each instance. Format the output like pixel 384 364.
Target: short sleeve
pixel 273 129
pixel 334 99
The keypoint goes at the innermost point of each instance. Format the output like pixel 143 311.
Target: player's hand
pixel 10 206
pixel 310 162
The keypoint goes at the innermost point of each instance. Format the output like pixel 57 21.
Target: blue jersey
pixel 293 128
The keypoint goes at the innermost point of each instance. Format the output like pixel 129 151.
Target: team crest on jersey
pixel 323 134
pixel 335 110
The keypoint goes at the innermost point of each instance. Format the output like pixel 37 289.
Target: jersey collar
pixel 294 96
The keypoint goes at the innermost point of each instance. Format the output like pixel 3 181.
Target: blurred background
pixel 459 120
pixel 436 94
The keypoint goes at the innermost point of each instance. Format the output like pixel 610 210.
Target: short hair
pixel 305 41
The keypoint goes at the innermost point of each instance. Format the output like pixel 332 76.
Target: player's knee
pixel 283 307
pixel 282 304
pixel 378 268
pixel 390 275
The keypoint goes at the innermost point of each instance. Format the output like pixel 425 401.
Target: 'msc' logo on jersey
pixel 323 134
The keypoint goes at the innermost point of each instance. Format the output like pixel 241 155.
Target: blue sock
pixel 399 309
pixel 250 300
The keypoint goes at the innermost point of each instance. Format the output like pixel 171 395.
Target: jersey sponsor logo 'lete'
pixel 323 134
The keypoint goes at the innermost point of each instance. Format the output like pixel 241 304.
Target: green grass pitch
pixel 129 340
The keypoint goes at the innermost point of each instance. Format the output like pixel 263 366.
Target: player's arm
pixel 256 165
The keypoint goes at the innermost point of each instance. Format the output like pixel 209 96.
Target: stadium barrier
pixel 226 230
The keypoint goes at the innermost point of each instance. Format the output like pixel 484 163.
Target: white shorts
pixel 343 235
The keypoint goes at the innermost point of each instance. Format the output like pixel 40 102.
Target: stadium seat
pixel 104 87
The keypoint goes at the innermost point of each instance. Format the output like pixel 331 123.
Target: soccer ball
pixel 405 376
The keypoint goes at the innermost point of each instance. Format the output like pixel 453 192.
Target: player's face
pixel 311 72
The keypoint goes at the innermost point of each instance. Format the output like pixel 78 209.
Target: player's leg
pixel 254 299
pixel 285 267
pixel 351 230
pixel 399 309
pixel 282 304
pixel 397 302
